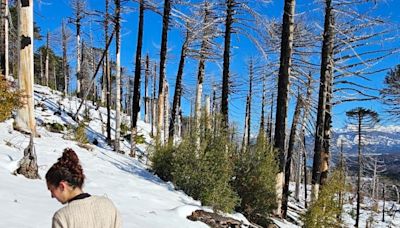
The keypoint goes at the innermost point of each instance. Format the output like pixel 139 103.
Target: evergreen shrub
pixel 255 180
pixel 161 160
pixel 10 99
pixel 326 210
pixel 80 133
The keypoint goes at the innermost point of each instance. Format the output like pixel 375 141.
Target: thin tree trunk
pixel 41 81
pixel 374 180
pixel 78 49
pixel 248 106
pixel 136 85
pixel 270 122
pixel 25 118
pixel 283 89
pixel 359 173
pixel 305 167
pixel 146 92
pixel 207 113
pixel 46 68
pixel 176 103
pixel 64 60
pixel 226 62
pixel 163 56
pixel 199 93
pixel 251 76
pixel 166 111
pixel 383 206
pixel 306 110
pixel 245 142
pixel 298 175
pixel 54 75
pixel 4 65
pixel 154 102
pixel 117 77
pixel 325 74
pixel 108 76
pixel 292 140
pixel 263 100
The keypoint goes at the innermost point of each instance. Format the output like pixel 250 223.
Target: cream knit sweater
pixel 90 212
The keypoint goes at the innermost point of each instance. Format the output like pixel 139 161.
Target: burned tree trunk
pixel 292 141
pixel 64 59
pixel 136 85
pixel 245 141
pixel 154 102
pixel 46 66
pixel 28 164
pixel 283 89
pixel 107 75
pixel 146 92
pixel 176 103
pixel 117 76
pixel 247 129
pixel 230 4
pixel 163 57
pixel 325 78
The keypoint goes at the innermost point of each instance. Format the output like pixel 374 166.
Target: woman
pixel 64 180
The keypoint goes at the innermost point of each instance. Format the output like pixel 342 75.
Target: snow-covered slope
pixel 142 198
pixel 377 140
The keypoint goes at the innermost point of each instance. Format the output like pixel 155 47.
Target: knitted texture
pixel 90 212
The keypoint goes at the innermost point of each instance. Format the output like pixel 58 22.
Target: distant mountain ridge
pixel 379 140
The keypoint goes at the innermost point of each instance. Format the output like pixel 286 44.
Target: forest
pixel 242 97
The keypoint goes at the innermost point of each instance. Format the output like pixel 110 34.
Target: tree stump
pixel 28 164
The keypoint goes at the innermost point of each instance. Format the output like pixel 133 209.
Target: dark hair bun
pixel 68 169
pixel 69 158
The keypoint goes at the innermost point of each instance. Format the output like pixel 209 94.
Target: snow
pixel 142 198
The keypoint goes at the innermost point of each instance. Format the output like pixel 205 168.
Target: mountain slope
pixel 142 198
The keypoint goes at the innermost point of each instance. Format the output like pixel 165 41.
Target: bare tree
pixel 230 6
pixel 4 65
pixel 146 90
pixel 107 77
pixel 390 94
pixel 208 33
pixel 117 76
pixel 176 103
pixel 136 84
pixel 326 77
pixel 25 118
pixel 163 56
pixel 46 66
pixel 65 37
pixel 292 139
pixel 282 97
pixel 362 118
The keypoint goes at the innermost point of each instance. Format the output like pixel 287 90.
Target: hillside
pixel 142 198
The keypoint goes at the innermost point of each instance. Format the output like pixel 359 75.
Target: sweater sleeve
pixel 57 221
pixel 118 219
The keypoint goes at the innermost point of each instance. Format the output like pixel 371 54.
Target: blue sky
pixel 49 14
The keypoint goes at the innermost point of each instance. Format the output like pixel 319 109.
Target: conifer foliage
pixel 327 209
pixel 255 181
pixel 204 173
pixel 9 99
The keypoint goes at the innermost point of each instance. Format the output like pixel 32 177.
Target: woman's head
pixel 65 174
